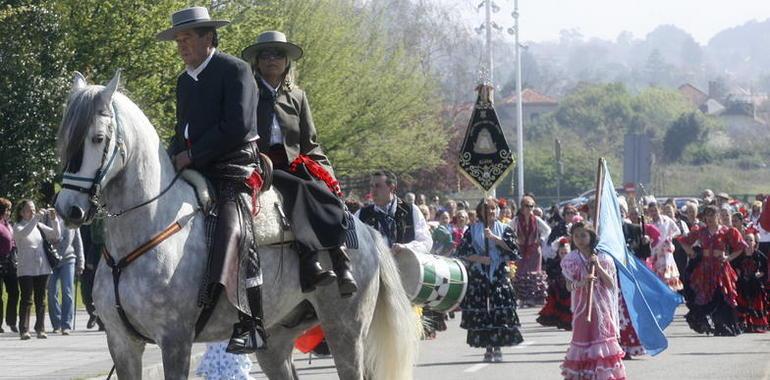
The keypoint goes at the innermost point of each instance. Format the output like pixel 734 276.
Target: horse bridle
pixel 97 209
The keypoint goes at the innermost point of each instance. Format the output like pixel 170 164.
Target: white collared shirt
pixel 423 241
pixel 276 136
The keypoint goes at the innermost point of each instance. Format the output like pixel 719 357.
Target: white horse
pixel 116 161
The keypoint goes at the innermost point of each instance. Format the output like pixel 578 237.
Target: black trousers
pixel 86 290
pixel 12 287
pixel 30 285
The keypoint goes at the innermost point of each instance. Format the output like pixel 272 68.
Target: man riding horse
pixel 218 133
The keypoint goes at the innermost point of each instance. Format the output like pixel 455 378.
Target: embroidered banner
pixel 485 157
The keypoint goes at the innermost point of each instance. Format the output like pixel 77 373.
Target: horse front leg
pixel 175 348
pixel 126 352
pixel 275 361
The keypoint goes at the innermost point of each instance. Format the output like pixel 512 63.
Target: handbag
pixel 8 263
pixel 51 254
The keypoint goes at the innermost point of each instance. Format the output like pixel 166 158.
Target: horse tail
pixel 392 342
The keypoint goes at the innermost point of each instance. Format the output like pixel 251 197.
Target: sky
pixel 542 20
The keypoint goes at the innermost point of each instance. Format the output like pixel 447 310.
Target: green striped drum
pixel 435 282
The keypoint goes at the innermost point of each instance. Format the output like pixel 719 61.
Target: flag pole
pixel 597 205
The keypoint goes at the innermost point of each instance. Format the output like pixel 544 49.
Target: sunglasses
pixel 271 54
pixel 528 205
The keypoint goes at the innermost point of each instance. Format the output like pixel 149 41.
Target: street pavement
pixel 84 355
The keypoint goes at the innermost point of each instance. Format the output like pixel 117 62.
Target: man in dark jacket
pixel 216 134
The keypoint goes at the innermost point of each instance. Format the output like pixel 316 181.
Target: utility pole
pixel 519 117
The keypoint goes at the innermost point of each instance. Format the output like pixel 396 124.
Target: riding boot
pixel 311 274
pixel 248 336
pixel 341 265
pixel 249 333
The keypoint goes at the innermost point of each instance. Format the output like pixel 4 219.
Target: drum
pixel 437 282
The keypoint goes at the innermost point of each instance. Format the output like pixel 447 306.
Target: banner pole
pixel 597 205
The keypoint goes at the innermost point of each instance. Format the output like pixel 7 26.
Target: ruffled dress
pixel 556 312
pixel 752 308
pixel 713 282
pixel 530 281
pixel 489 306
pixel 664 264
pixel 594 352
pixel 217 364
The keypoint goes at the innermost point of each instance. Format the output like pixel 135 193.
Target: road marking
pixel 476 367
pixel 525 344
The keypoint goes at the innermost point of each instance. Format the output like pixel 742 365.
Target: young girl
pixel 594 352
pixel 556 312
pixel 751 268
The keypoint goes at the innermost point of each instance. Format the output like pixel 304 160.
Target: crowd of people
pixel 26 234
pixel 713 251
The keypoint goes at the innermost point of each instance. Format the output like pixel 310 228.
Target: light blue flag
pixel 651 303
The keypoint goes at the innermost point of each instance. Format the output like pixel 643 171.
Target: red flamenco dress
pixel 713 282
pixel 594 352
pixel 752 274
pixel 556 312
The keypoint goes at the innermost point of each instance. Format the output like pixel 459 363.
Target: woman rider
pixel 302 173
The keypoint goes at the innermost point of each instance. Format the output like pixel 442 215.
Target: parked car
pixel 678 201
pixel 586 196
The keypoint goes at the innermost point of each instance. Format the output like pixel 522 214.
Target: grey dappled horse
pixel 372 334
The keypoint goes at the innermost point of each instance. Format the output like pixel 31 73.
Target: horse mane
pixel 79 116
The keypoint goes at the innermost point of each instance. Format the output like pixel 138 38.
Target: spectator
pixel 691 214
pixel 8 268
pixel 442 236
pixel 459 226
pixel 472 217
pixel 70 248
pixel 723 200
pixel 409 198
pixel 725 216
pixel 451 207
pixel 505 215
pixel 33 268
pixel 737 222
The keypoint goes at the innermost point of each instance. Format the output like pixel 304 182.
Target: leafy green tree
pixel 372 104
pixel 599 113
pixel 690 128
pixel 32 89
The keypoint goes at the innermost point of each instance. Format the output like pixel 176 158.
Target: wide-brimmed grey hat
pixel 275 40
pixel 189 18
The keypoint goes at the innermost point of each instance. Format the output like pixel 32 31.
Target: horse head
pixel 90 144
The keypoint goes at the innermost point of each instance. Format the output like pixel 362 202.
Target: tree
pixel 690 128
pixel 32 88
pixel 373 105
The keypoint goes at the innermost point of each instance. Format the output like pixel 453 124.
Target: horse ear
pixel 78 81
pixel 110 88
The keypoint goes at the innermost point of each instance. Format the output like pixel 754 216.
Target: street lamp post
pixel 519 117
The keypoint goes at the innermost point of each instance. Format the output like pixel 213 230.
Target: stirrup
pixel 246 339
